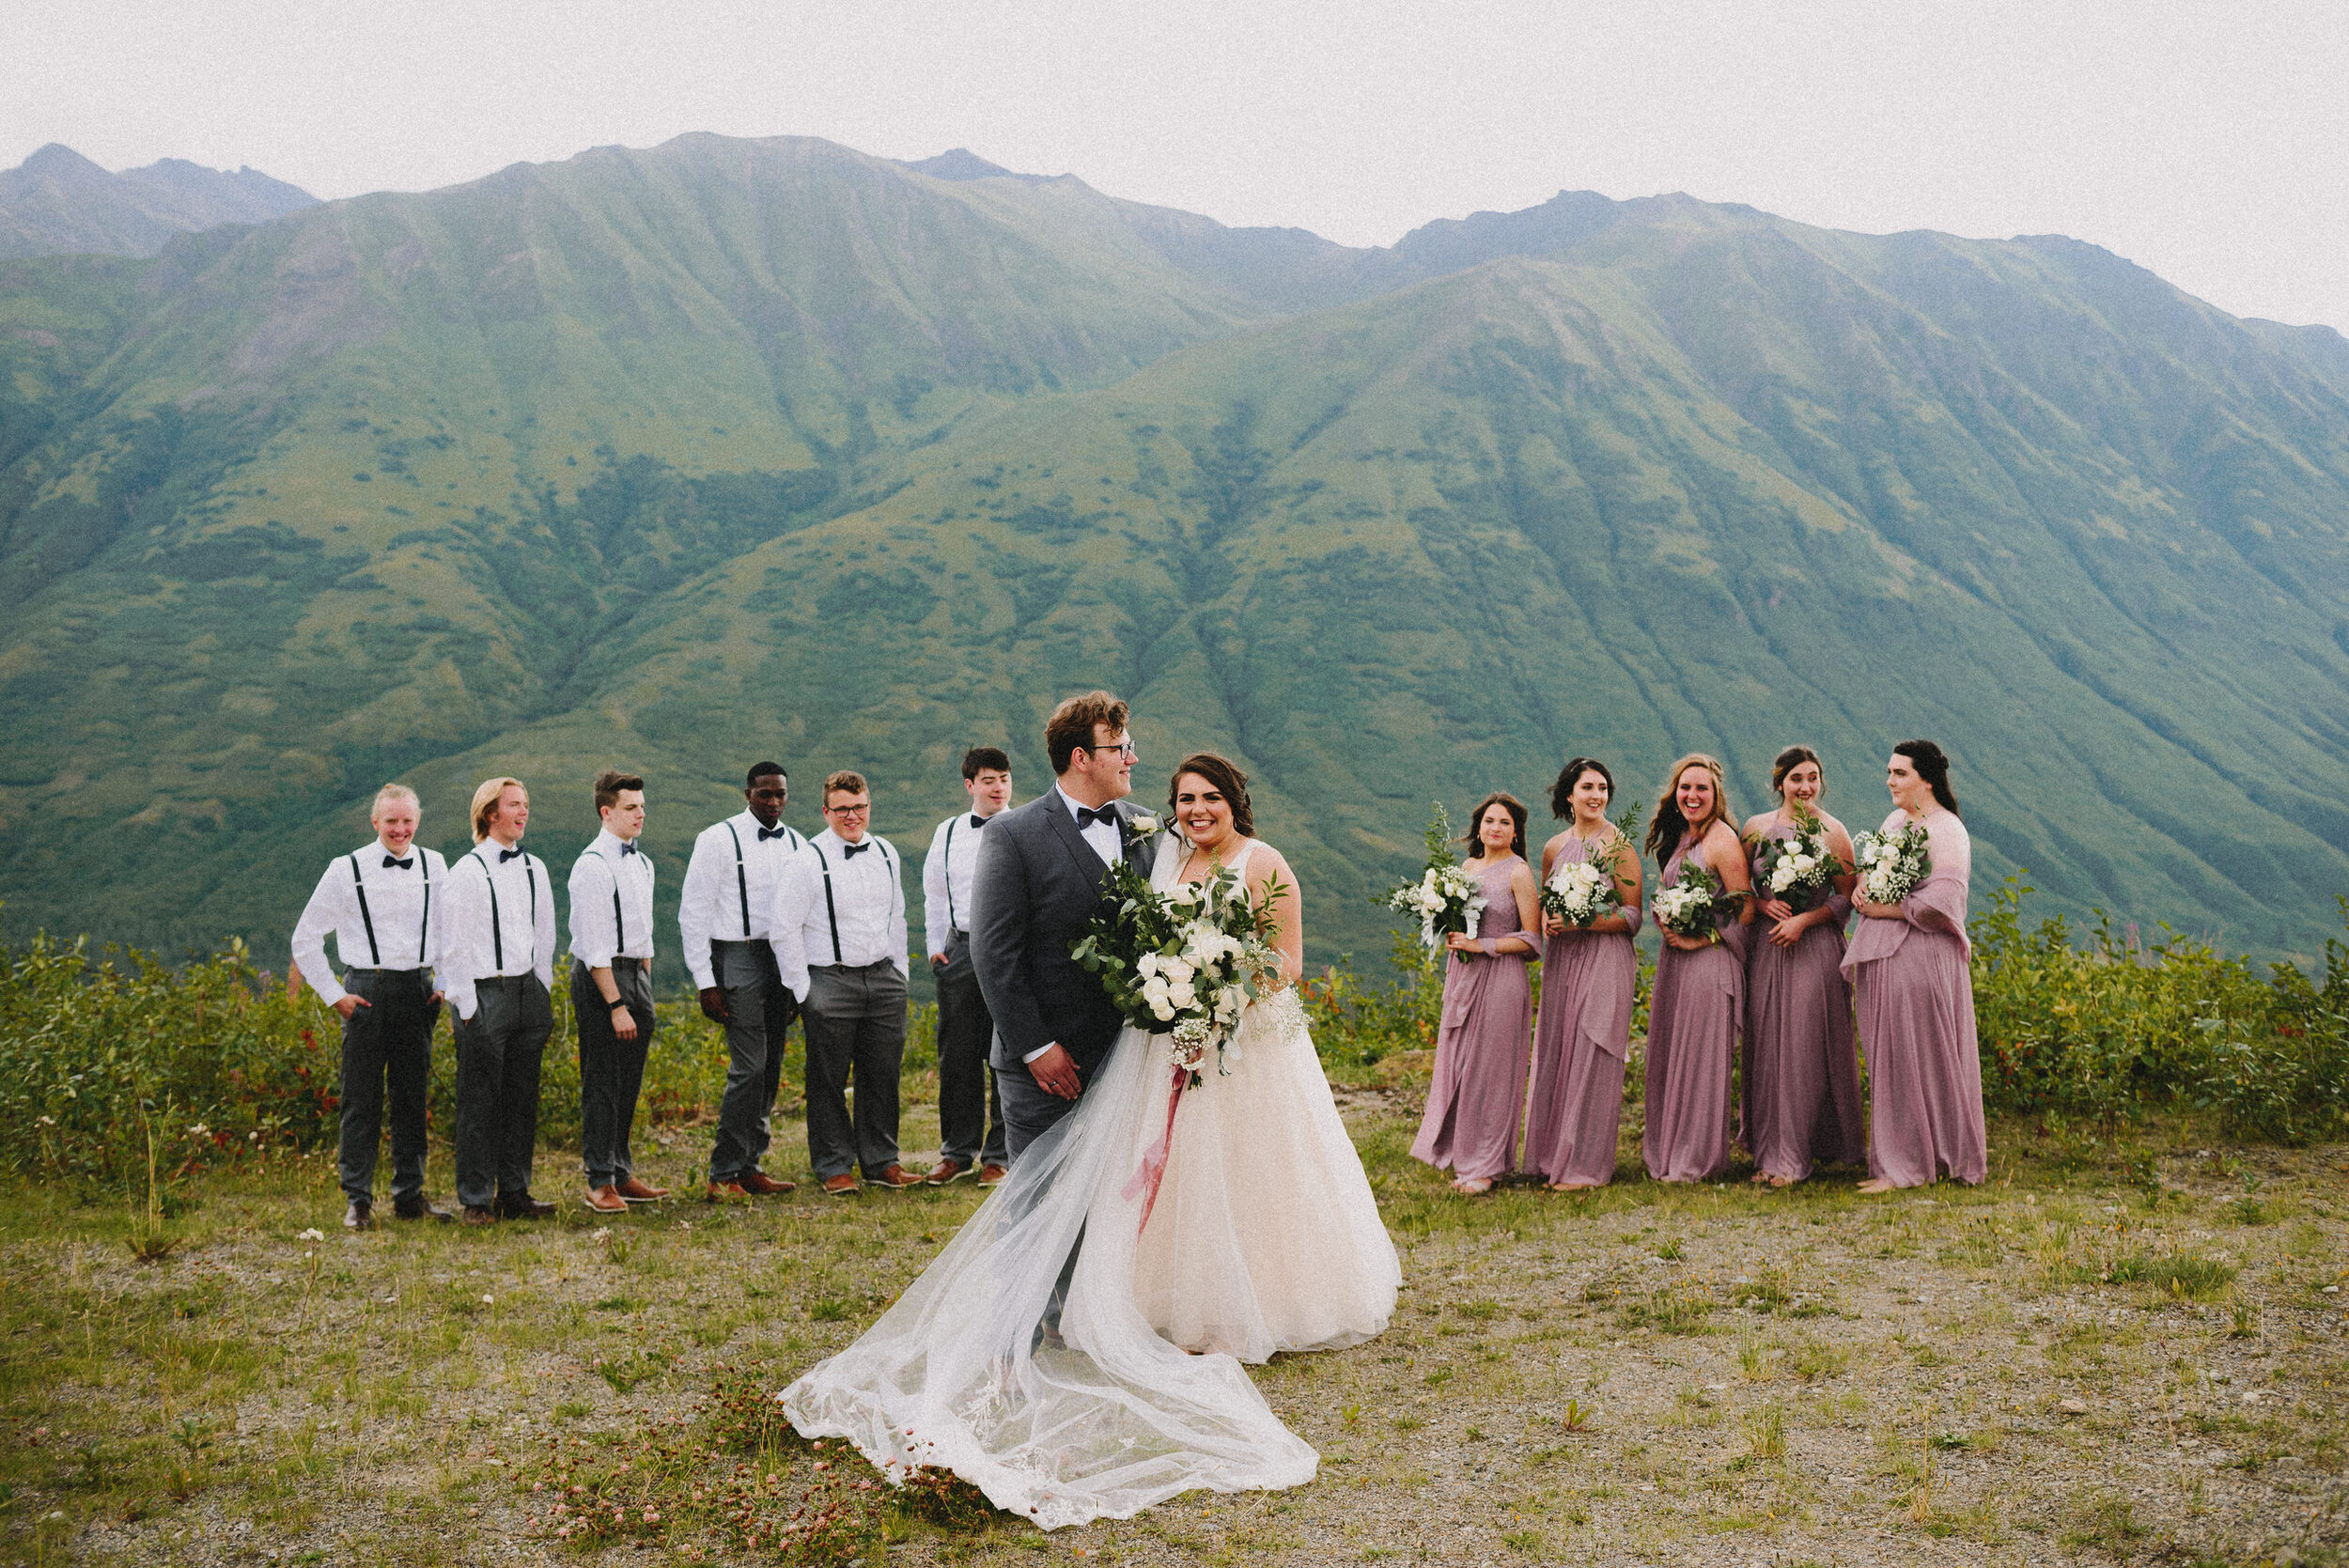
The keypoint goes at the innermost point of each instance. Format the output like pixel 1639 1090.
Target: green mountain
pixel 674 457
pixel 57 202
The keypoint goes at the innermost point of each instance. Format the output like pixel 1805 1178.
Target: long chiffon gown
pixel 1694 1018
pixel 1802 1079
pixel 1263 1235
pixel 1582 1038
pixel 1915 1002
pixel 1479 1090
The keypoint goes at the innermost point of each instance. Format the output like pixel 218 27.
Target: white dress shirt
pixel 611 902
pixel 868 902
pixel 381 920
pixel 520 941
pixel 730 888
pixel 948 872
pixel 1103 836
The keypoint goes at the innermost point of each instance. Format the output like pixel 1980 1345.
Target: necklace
pixel 1215 862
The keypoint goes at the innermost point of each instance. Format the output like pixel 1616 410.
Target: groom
pixel 1043 874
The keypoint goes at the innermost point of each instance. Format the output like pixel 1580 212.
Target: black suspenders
pixel 497 926
pixel 619 922
pixel 831 911
pixel 375 955
pixel 952 823
pixel 741 881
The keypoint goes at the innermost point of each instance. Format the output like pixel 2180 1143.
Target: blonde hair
pixel 1669 827
pixel 845 782
pixel 394 792
pixel 485 803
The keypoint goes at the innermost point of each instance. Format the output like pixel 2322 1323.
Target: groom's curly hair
pixel 1224 775
pixel 1071 724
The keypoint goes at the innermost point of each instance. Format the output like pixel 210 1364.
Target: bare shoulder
pixel 1756 824
pixel 1270 865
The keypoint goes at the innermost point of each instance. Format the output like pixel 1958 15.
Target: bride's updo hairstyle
pixel 1474 839
pixel 1225 775
pixel 1934 768
pixel 1562 793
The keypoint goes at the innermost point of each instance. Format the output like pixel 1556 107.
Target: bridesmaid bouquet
pixel 1798 868
pixel 1444 898
pixel 1581 892
pixel 1891 865
pixel 1183 963
pixel 1692 907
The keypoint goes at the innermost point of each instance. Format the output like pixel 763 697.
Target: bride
pixel 1048 1373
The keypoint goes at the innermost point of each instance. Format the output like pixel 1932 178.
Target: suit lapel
pixel 1065 825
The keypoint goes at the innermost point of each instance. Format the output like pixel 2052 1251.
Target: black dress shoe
pixel 522 1206
pixel 418 1206
pixel 359 1216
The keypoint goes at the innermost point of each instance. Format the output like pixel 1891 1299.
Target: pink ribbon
pixel 1153 1168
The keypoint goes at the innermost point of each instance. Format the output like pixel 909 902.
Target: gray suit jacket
pixel 1039 884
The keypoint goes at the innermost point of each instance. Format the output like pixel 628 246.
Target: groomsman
pixel 611 990
pixel 967 1104
pixel 378 901
pixel 729 898
pixel 839 935
pixel 497 958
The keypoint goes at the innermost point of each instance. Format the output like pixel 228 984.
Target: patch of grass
pixel 1674 1310
pixel 1766 1430
pixel 2182 1275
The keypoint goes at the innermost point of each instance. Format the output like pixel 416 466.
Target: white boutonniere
pixel 1144 823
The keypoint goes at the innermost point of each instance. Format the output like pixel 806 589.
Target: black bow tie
pixel 853 850
pixel 390 862
pixel 776 831
pixel 505 855
pixel 1088 816
pixel 626 849
pixel 977 821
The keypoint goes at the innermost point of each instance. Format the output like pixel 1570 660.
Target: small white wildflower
pixel 312 1234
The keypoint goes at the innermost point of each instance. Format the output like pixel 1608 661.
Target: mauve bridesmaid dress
pixel 1581 1036
pixel 1916 1003
pixel 1479 1089
pixel 1694 1018
pixel 1801 1081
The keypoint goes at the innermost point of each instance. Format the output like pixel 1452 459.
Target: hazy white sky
pixel 2209 141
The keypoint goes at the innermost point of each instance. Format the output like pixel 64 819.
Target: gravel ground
pixel 2129 1353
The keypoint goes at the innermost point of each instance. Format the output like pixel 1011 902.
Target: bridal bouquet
pixel 1182 963
pixel 1797 869
pixel 1443 898
pixel 1581 892
pixel 1891 865
pixel 1692 906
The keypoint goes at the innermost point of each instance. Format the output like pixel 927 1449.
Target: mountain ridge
pixel 57 202
pixel 726 446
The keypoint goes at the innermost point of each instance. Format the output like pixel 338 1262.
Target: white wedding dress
pixel 1264 1236
pixel 1107 1416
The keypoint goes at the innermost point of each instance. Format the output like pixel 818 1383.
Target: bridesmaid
pixel 1908 966
pixel 1802 1075
pixel 1589 974
pixel 1698 1002
pixel 1472 1106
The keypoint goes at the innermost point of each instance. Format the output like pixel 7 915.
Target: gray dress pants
pixel 390 1038
pixel 855 1021
pixel 761 1007
pixel 499 1051
pixel 610 1069
pixel 970 1106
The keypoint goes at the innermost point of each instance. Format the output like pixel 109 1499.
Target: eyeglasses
pixel 1124 748
pixel 848 811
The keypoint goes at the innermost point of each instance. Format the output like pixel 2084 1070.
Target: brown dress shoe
pixel 521 1205
pixel 992 1175
pixel 418 1206
pixel 946 1170
pixel 605 1200
pixel 719 1192
pixel 896 1177
pixel 760 1185
pixel 840 1186
pixel 359 1216
pixel 637 1192
pixel 477 1215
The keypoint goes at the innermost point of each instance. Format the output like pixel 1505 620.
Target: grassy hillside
pixel 725 448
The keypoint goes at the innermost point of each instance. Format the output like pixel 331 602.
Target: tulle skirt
pixel 1264 1236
